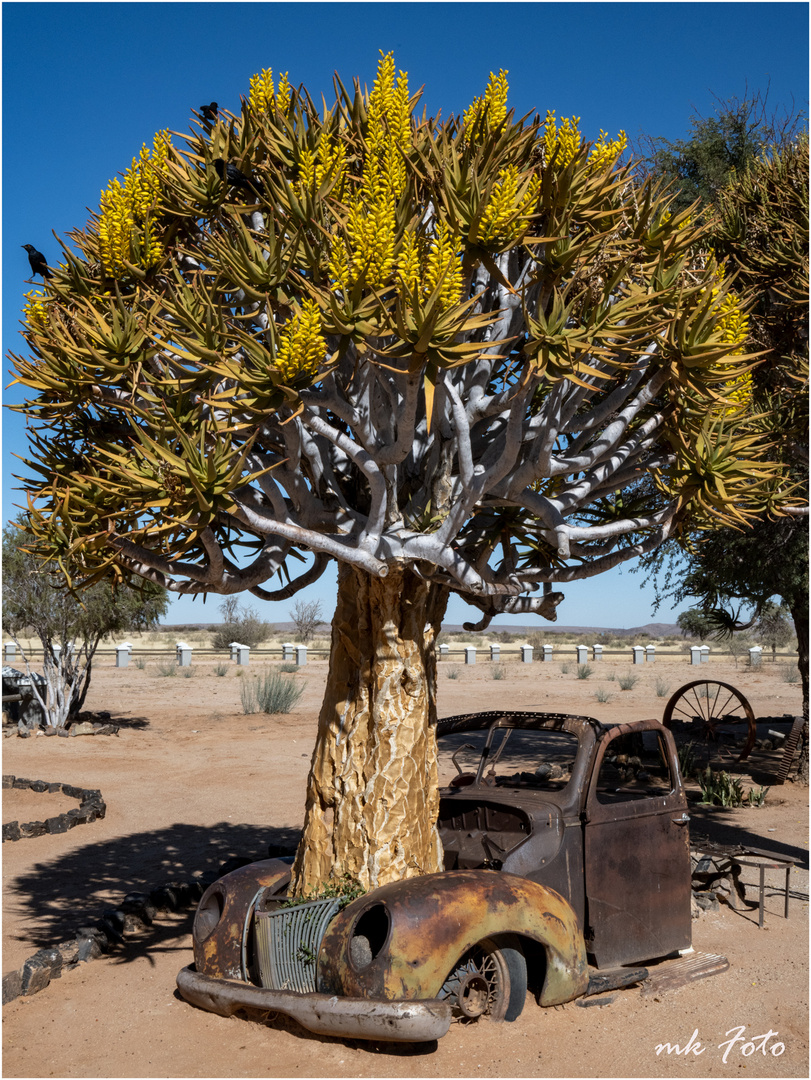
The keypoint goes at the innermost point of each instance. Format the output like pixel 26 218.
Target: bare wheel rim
pixel 488 981
pixel 704 705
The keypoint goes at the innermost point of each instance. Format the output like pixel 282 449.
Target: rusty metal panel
pixel 637 862
pixel 219 936
pixel 434 920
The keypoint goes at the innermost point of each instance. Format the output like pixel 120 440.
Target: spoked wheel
pixel 712 714
pixel 490 980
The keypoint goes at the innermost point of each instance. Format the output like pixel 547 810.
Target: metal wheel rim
pixel 707 711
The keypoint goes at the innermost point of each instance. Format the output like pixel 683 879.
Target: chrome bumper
pixel 348 1018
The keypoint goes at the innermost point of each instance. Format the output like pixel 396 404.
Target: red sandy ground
pixel 190 781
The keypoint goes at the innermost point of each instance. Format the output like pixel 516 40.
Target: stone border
pixel 135 913
pixel 91 807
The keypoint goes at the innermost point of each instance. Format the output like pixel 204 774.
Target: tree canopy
pixel 37 601
pixel 469 355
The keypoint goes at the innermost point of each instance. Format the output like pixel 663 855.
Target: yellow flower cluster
pixel 261 95
pixel 35 311
pixel 371 223
pixel 329 159
pixel 565 138
pixel 504 217
pixel 424 267
pixel 734 323
pixel 493 104
pixel 127 211
pixel 605 152
pixel 302 345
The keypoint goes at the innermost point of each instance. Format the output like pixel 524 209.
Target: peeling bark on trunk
pixel 372 794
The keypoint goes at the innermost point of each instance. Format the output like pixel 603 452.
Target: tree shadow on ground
pixel 61 895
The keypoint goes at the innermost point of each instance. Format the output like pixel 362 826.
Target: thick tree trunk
pixel 372 795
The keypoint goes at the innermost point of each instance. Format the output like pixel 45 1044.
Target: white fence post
pixel 650 653
pixel 470 654
pixel 639 654
pixel 755 656
pixel 183 654
pixel 597 652
pixel 122 655
pixel 705 654
pixel 526 654
pixel 301 655
pixel 495 653
pixel 695 654
pixel 288 651
pixel 243 655
pixel 444 649
pixel 10 651
pixel 582 654
pixel 547 653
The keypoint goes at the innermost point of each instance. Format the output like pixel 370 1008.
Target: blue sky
pixel 84 85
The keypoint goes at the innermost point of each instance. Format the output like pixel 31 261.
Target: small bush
pixel 140 663
pixel 187 672
pixel 662 687
pixel 270 693
pixel 498 672
pixel 167 669
pixel 221 669
pixel 687 759
pixel 452 672
pixel 627 681
pixel 790 673
pixel 584 671
pixel 288 669
pixel 602 695
pixel 565 668
pixel 611 676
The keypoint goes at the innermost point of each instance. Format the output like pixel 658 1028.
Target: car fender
pixel 415 931
pixel 219 930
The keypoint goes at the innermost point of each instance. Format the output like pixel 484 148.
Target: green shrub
pixel 602 695
pixel 565 668
pixel 662 687
pixel 270 693
pixel 719 789
pixel 221 669
pixel 611 676
pixel 584 671
pixel 627 681
pixel 187 672
pixel 288 669
pixel 498 672
pixel 789 673
pixel 687 759
pixel 167 669
pixel 452 672
pixel 140 663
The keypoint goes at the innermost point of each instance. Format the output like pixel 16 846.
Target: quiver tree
pixel 468 356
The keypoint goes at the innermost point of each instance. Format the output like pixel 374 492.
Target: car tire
pixel 489 980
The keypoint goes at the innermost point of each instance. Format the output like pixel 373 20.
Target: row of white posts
pixel 699 654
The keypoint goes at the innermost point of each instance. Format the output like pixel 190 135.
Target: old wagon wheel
pixel 706 710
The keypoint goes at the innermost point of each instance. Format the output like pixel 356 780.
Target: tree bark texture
pixel 372 794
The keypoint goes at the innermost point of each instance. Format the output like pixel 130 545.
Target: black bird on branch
pixel 39 264
pixel 209 112
pixel 238 179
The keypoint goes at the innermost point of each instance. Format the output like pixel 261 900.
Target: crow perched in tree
pixel 236 178
pixel 39 264
pixel 209 111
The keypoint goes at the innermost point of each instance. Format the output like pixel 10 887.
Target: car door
pixel 637 848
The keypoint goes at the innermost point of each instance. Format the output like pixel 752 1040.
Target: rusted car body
pixel 566 861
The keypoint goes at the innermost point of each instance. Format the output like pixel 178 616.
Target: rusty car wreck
pixel 566 864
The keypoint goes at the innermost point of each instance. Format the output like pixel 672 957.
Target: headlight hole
pixel 369 935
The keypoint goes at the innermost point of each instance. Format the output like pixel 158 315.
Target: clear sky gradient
pixel 84 85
